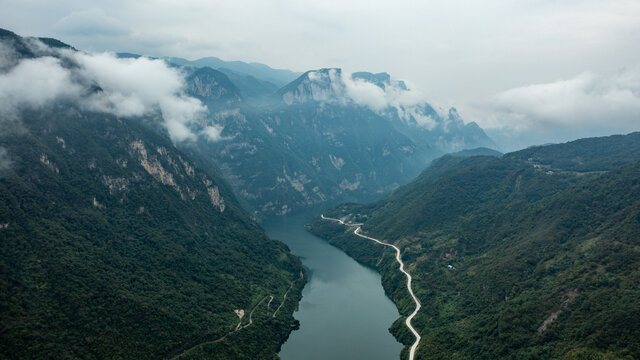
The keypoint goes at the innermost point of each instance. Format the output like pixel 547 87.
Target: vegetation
pixel 591 154
pixel 546 263
pixel 101 257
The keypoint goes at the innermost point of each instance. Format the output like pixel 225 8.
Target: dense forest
pixel 542 243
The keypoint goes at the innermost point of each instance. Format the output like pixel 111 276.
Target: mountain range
pixel 321 138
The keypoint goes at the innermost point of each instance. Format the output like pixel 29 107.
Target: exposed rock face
pixel 115 184
pixel 337 162
pixel 97 204
pixel 216 199
pixel 209 84
pixel 173 173
pixel 152 165
pixel 44 159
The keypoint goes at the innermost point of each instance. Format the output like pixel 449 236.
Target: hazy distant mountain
pixel 250 87
pixel 278 77
pixel 213 87
pixel 319 140
pixel 477 152
pixel 543 245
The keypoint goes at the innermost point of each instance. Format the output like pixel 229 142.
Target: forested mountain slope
pixel 115 244
pixel 510 259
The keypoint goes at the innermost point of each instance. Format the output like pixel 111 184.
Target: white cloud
pixel 212 133
pixel 365 93
pixel 586 100
pixel 130 87
pixel 334 86
pixel 34 82
pixel 588 104
pixel 135 87
pixel 455 50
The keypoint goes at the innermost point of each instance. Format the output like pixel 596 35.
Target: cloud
pixel 213 133
pixel 588 99
pixel 365 93
pixel 340 86
pixel 91 22
pixel 135 87
pixel 128 87
pixel 34 82
pixel 588 104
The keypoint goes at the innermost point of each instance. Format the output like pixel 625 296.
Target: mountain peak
pixel 208 85
pixel 314 85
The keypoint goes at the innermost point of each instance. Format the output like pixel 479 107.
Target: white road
pixel 412 351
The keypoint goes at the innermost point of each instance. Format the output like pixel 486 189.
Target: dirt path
pixel 239 327
pixel 269 304
pixel 285 295
pixel 412 351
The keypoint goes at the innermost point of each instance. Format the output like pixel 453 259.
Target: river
pixel 344 313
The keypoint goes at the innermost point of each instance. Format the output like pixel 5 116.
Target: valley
pixel 155 207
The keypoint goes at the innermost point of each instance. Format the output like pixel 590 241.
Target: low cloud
pixel 135 87
pixel 587 100
pixel 34 82
pixel 128 87
pixel 341 86
pixel 589 104
pixel 212 133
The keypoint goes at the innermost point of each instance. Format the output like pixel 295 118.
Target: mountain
pixel 253 81
pixel 327 136
pixel 212 87
pixel 278 77
pixel 591 154
pixel 113 242
pixel 477 152
pixel 543 248
pixel 321 139
pixel 251 87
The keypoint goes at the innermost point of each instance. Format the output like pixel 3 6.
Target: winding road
pixel 412 351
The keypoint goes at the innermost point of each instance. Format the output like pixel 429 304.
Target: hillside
pixel 544 263
pixel 116 244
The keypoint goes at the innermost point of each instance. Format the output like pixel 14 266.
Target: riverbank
pixel 344 312
pixel 357 231
pixel 384 262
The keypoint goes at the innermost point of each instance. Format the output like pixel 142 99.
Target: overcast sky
pixel 541 67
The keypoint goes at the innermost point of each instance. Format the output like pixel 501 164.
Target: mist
pixel 335 85
pixel 588 104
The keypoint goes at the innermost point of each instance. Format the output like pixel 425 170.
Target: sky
pixel 528 71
